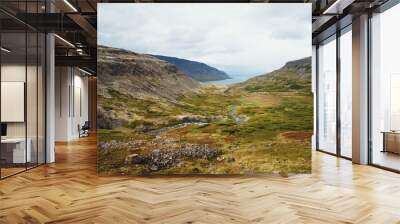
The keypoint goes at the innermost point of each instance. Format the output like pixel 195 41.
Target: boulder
pixel 133 159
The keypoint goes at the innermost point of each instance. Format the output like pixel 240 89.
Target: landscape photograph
pixel 204 89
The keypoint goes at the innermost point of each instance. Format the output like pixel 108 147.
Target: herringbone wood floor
pixel 69 191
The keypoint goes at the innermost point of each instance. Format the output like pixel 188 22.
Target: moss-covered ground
pixel 273 135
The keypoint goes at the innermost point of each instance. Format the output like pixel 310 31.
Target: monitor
pixel 3 129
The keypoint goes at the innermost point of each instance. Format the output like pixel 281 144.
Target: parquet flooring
pixel 69 191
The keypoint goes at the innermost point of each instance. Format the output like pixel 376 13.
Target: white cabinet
pixel 19 155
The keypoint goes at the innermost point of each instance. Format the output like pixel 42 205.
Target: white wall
pixel 33 126
pixel 11 73
pixel 16 73
pixel 71 102
pixel 62 82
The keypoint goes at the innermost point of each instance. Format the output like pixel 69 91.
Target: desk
pixel 13 150
pixel 391 141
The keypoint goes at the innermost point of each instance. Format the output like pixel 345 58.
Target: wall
pixel 33 127
pixel 17 73
pixel 71 102
pixel 14 73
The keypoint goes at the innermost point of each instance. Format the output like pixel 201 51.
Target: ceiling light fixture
pixel 337 7
pixel 70 5
pixel 64 40
pixel 79 51
pixel 84 71
pixel 5 50
pixel 329 9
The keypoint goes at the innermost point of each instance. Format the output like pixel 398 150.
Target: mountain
pixel 139 75
pixel 196 70
pixel 294 76
pixel 129 80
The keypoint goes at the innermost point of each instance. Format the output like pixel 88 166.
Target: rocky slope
pixel 196 70
pixel 126 77
pixel 139 75
pixel 293 76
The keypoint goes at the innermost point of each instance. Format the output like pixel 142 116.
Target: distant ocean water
pixel 234 79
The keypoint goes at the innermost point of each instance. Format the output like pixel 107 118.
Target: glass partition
pixel 13 105
pixel 22 88
pixel 385 89
pixel 327 96
pixel 346 93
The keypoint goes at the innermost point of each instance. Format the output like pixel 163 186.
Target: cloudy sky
pixel 237 38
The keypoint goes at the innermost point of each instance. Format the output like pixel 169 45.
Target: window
pixel 385 89
pixel 327 96
pixel 346 93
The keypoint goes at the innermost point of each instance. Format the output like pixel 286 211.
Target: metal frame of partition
pixel 338 96
pixel 43 54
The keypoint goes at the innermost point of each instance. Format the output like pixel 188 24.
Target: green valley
pixel 262 125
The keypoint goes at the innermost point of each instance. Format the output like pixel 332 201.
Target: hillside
pixel 294 76
pixel 127 78
pixel 196 70
pixel 139 75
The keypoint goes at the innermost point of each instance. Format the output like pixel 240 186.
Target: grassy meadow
pixel 231 130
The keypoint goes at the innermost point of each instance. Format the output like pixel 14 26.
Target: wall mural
pixel 204 89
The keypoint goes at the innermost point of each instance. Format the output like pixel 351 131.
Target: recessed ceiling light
pixel 5 50
pixel 64 40
pixel 70 5
pixel 337 7
pixel 84 71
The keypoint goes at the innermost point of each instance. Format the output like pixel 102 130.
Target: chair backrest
pixel 86 125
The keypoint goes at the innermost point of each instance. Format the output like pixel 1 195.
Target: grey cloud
pixel 250 38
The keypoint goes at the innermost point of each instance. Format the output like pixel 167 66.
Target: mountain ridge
pixel 294 75
pixel 197 70
pixel 127 78
pixel 137 74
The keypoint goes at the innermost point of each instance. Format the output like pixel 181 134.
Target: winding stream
pixel 232 113
pixel 182 125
